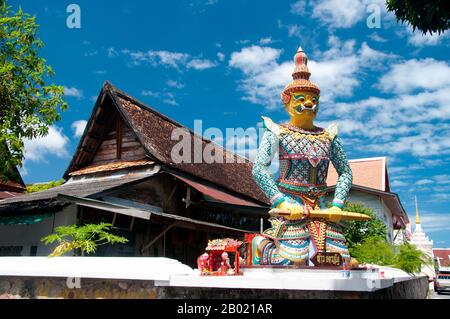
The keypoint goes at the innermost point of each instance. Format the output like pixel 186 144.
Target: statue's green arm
pixel 260 172
pixel 340 163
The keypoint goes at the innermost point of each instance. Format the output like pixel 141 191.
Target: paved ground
pixel 445 295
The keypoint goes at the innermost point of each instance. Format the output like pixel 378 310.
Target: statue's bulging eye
pixel 299 98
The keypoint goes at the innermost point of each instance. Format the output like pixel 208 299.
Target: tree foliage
pixel 374 250
pixel 425 15
pixel 410 259
pixel 356 232
pixel 28 106
pixel 43 186
pixel 367 243
pixel 86 238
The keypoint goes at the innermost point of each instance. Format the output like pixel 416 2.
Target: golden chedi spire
pixel 417 212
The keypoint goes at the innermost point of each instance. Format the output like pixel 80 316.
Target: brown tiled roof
pixel 444 255
pixel 109 167
pixel 370 172
pixel 154 131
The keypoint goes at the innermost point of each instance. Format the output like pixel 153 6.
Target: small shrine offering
pixel 216 260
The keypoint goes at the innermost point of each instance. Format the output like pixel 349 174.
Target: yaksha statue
pixel 305 152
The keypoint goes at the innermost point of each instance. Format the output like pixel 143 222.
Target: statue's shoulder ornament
pixel 271 125
pixel 332 131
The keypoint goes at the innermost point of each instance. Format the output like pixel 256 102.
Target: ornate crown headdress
pixel 301 76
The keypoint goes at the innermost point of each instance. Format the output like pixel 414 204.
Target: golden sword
pixel 325 214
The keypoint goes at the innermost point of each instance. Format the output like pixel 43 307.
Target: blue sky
pixel 226 61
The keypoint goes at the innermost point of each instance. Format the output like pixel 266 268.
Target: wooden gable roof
pixel 153 131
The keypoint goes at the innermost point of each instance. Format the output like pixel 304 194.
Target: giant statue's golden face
pixel 303 104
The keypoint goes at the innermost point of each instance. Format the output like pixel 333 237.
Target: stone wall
pixel 44 288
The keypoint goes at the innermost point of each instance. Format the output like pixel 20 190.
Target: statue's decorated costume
pixel 304 157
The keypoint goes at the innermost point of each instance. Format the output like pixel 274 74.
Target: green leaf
pixel 86 238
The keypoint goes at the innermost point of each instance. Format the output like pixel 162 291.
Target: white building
pixel 371 188
pixel 420 239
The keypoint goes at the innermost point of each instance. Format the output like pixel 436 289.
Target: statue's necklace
pixel 298 133
pixel 315 131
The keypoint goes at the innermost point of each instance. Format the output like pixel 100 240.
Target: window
pixel 33 250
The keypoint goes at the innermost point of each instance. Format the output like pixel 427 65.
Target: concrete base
pixel 61 288
pixel 290 279
pixel 101 277
pixel 414 288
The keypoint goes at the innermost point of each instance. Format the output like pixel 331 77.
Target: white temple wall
pixel 28 236
pixel 376 203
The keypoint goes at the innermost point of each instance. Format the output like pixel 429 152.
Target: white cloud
pixel 414 74
pixel 166 97
pixel 220 56
pixel 170 99
pixel 112 53
pixel 255 58
pixel 150 93
pixel 424 181
pixel 335 77
pixel 373 59
pixel 418 39
pixel 404 123
pixel 264 77
pixel 78 127
pixel 200 64
pixel 442 179
pixel 90 53
pixel 339 13
pixel 175 84
pixel 293 30
pixel 298 7
pixel 155 58
pixel 54 143
pixel 434 222
pixel 264 41
pixel 336 71
pixel 73 92
pixel 377 38
pixel 176 60
pixel 398 183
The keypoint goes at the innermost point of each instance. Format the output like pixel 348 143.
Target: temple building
pixel 122 173
pixel 420 239
pixel 442 258
pixel 371 188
